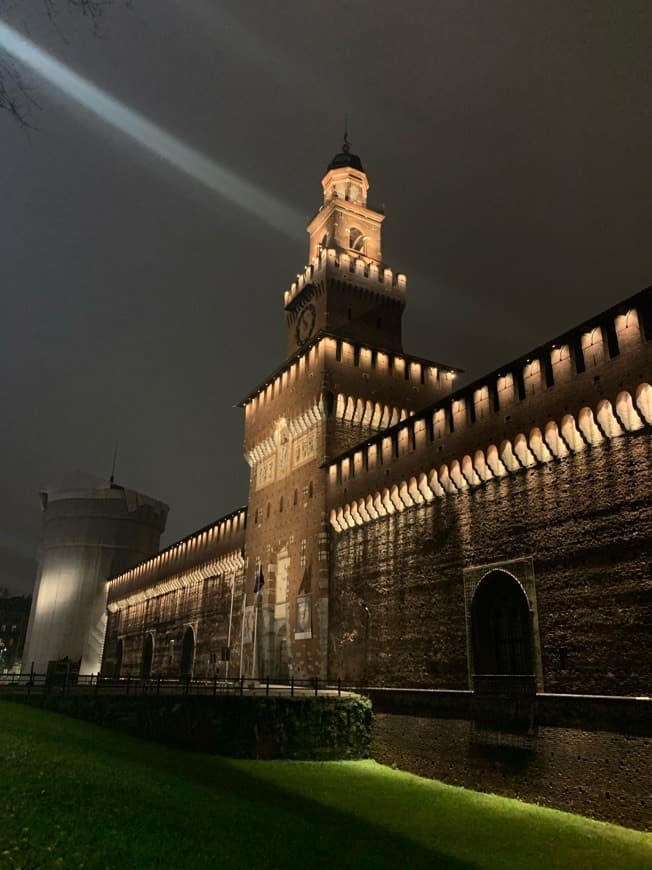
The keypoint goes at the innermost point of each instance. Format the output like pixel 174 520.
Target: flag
pixel 260 580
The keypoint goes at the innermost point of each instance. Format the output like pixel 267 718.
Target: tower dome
pixel 344 158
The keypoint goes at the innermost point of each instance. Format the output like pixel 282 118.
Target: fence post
pixel 128 682
pixel 215 685
pixel 267 686
pixel 158 686
pixel 292 687
pixel 339 687
pixel 316 686
pixel 241 685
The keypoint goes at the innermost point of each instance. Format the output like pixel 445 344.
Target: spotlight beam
pixel 227 184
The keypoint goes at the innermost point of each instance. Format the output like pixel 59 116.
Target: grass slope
pixel 76 795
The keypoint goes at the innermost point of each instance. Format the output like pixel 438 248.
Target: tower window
pixel 280 505
pixel 269 508
pixel 310 489
pixel 296 496
pixel 357 241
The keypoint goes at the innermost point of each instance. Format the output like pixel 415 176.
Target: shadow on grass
pixel 125 802
pixel 297 831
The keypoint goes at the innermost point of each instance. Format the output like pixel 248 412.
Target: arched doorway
pixel 148 652
pixel 501 626
pixel 118 659
pixel 187 652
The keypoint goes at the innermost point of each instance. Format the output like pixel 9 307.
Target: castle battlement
pixel 214 542
pixel 372 275
pixel 588 386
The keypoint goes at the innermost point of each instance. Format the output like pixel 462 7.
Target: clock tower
pixel 345 378
pixel 346 289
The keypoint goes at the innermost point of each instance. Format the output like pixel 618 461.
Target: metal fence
pixel 95 684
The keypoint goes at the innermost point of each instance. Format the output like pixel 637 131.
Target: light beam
pixel 153 138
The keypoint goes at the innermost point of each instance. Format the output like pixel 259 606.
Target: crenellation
pixel 558 442
pixel 374 277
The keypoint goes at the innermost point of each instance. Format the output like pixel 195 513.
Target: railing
pixel 96 684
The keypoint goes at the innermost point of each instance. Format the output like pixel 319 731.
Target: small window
pixel 256 517
pixel 280 505
pixel 310 490
pixel 357 241
pixel 269 508
pixel 296 496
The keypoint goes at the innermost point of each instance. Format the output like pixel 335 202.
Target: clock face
pixel 306 323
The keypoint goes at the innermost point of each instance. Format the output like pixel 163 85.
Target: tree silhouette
pixel 17 96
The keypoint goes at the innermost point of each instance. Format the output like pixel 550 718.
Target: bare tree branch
pixel 16 95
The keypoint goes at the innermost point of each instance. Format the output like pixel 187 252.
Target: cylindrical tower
pixel 89 535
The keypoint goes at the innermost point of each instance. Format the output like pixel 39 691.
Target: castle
pixel 401 532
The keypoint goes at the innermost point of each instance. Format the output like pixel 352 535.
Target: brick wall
pixel 397 607
pixel 602 774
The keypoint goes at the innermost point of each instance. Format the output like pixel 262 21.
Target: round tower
pixel 89 534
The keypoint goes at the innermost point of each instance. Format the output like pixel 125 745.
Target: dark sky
pixel 509 141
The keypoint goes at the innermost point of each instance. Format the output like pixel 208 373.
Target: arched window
pixel 356 240
pixel 500 620
pixel 324 241
pixel 118 659
pixel 148 652
pixel 187 652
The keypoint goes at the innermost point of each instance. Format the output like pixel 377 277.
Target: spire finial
pixel 114 463
pixel 346 147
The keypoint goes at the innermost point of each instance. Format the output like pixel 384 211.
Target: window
pixel 296 496
pixel 356 240
pixel 310 490
pixel 187 653
pixel 280 505
pixel 269 508
pixel 146 663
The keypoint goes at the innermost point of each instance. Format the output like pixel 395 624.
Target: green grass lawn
pixel 76 795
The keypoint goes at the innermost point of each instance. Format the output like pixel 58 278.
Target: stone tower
pixel 345 378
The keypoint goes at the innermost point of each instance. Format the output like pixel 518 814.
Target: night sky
pixel 508 141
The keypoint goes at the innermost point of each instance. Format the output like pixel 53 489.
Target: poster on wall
pixel 248 631
pixel 303 626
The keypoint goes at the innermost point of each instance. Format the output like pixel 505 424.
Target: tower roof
pixel 345 158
